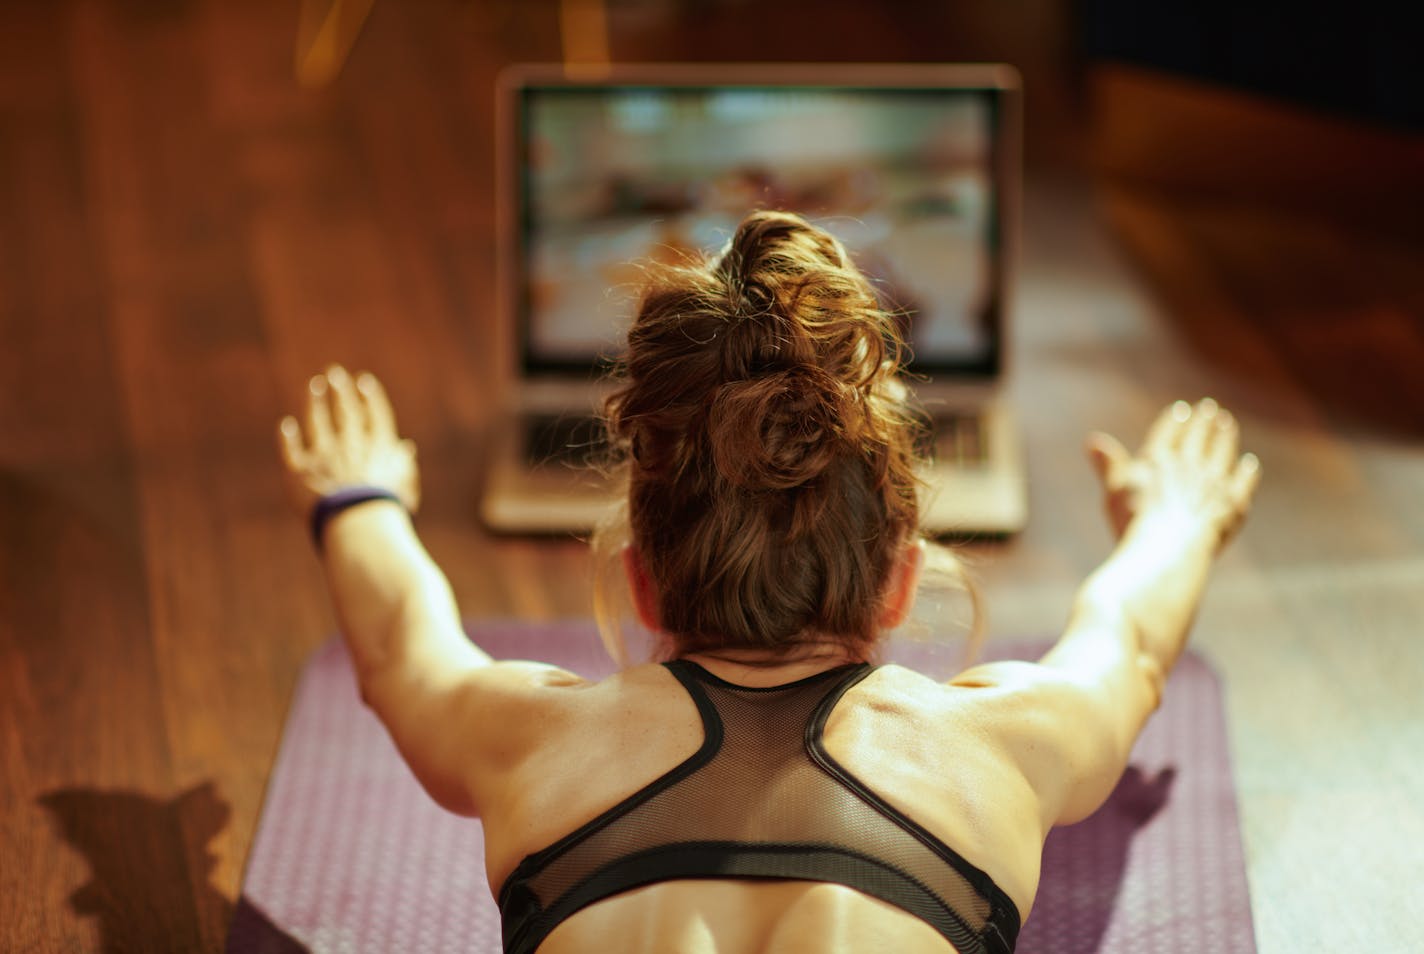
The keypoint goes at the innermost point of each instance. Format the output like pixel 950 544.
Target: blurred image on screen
pixel 618 177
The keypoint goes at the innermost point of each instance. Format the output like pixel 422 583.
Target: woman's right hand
pixel 1189 466
pixel 349 439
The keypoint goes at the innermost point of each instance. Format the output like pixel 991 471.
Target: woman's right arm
pixel 457 716
pixel 1173 505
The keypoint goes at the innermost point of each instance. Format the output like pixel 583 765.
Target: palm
pixel 349 439
pixel 1189 464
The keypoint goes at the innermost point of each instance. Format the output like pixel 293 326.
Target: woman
pixel 765 788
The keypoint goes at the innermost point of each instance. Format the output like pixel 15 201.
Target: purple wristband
pixel 339 500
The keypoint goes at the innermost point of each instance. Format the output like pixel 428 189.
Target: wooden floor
pixel 186 234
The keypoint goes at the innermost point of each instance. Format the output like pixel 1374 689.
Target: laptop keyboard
pixel 957 439
pixel 578 440
pixel 570 439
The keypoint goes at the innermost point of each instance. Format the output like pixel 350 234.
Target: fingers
pixel 1225 443
pixel 1204 431
pixel 1241 487
pixel 1244 481
pixel 1199 429
pixel 348 410
pixel 378 405
pixel 319 424
pixel 339 403
pixel 289 441
pixel 1166 432
pixel 1108 457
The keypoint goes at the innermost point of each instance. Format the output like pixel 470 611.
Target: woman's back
pixel 929 751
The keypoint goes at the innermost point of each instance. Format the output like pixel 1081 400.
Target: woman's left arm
pixel 434 689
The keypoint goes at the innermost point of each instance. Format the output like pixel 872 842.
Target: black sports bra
pixel 760 799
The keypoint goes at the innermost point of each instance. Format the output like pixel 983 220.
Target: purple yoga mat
pixel 352 856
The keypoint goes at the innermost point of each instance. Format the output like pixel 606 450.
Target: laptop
pixel 916 168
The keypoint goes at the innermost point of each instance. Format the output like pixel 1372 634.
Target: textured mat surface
pixel 351 855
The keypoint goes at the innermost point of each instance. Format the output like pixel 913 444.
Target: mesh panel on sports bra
pixel 761 798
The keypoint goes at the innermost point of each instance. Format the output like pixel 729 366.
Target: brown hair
pixel 768 445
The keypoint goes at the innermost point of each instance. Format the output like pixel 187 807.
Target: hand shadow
pixel 150 868
pixel 1084 866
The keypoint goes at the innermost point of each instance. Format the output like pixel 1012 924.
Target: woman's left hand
pixel 349 439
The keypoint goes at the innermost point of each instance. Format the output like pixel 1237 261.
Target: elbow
pixel 1153 677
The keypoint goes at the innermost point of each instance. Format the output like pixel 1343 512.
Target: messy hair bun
pixel 782 430
pixel 768 446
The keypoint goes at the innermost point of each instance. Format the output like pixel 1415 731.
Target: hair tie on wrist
pixel 333 503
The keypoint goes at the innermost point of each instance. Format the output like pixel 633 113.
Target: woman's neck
pixel 764 667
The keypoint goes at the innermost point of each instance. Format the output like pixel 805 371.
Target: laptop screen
pixel 613 176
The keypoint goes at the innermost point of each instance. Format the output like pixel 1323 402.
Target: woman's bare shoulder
pixel 1016 704
pixel 996 682
pixel 529 703
pixel 1060 729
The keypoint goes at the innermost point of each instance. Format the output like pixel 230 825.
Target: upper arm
pixel 461 728
pixel 1068 723
pixel 459 718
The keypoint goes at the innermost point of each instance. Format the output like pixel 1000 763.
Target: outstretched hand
pixel 1190 465
pixel 349 439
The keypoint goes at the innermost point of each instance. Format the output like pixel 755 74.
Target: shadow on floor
pixel 150 868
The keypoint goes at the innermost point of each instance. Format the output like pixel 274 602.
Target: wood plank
pixel 81 729
pixel 197 401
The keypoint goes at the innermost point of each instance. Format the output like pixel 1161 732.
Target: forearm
pixel 1145 596
pixel 393 603
pixel 1174 505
